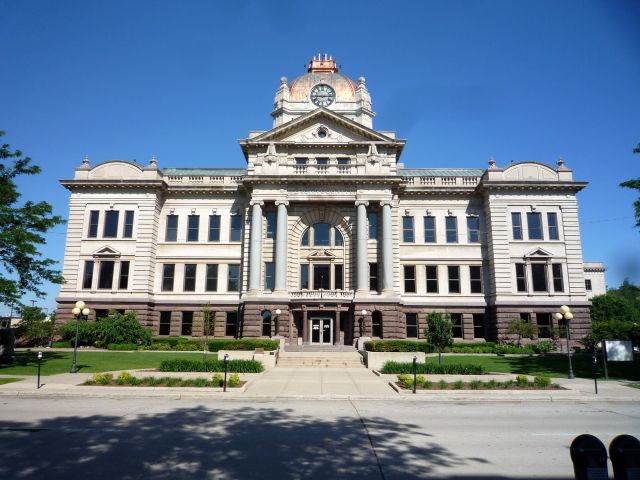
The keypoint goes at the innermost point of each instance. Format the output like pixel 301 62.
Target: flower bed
pixel 126 379
pixel 522 382
pixel 433 368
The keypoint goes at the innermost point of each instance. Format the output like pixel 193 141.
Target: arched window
pixel 305 238
pixel 321 234
pixel 376 324
pixel 338 241
pixel 266 323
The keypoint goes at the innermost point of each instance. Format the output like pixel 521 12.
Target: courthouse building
pixel 326 235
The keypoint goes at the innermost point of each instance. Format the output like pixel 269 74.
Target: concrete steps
pixel 320 359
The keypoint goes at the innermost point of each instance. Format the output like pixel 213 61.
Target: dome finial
pixel 322 63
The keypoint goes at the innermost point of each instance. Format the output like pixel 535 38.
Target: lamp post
pixel 565 312
pixel 79 311
pixel 226 364
pixel 363 313
pixel 276 322
pixel 39 362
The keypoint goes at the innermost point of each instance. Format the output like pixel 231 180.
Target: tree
pixel 208 326
pixel 522 328
pixel 439 332
pixel 21 231
pixel 34 328
pixel 635 184
pixel 615 316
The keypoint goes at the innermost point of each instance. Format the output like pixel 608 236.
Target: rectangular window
pixel 451 224
pixel 552 225
pixel 269 280
pixel 407 229
pixel 111 224
pixel 432 278
pixel 236 228
pixel 409 278
pixel 521 277
pixel 193 227
pixel 456 324
pixel 301 161
pixel 211 285
pixel 412 325
pixel 430 229
pixel 271 224
pixel 304 276
pixel 525 317
pixel 187 323
pixel 475 277
pixel 266 324
pixel 338 276
pixel 534 224
pixel 321 277
pixel 587 284
pixel 171 234
pixel 233 279
pixel 544 325
pixel 231 324
pixel 165 323
pixel 539 277
pixel 168 271
pixel 87 279
pixel 322 161
pixel 214 228
pixel 343 161
pixel 473 229
pixel 454 278
pixel 558 283
pixel 373 225
pixel 105 279
pixel 123 281
pixel 376 325
pixel 128 224
pixel 190 270
pixel 478 325
pixel 516 225
pixel 373 277
pixel 94 219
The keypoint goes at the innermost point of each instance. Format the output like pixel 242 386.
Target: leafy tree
pixel 21 231
pixel 635 184
pixel 208 325
pixel 439 332
pixel 522 328
pixel 34 328
pixel 615 316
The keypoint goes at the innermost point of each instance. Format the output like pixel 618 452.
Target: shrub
pixel 62 344
pixel 122 346
pixel 395 346
pixel 420 379
pixel 443 385
pixel 405 380
pixel 217 379
pixel 201 382
pixel 475 384
pixel 118 328
pixel 157 346
pixel 102 378
pixel 522 380
pixel 491 384
pixel 125 378
pixel 432 368
pixel 458 385
pixel 543 346
pixel 428 384
pixel 172 381
pixel 541 382
pixel 86 332
pixel 34 329
pixel 243 344
pixel 214 365
pixel 234 380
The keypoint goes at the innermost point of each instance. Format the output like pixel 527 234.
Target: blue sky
pixel 462 81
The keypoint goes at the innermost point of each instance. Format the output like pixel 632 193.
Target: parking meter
pixel 624 451
pixel 589 457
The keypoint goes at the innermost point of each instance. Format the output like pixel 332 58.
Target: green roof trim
pixel 230 172
pixel 441 172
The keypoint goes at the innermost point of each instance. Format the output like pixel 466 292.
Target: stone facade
pixel 325 237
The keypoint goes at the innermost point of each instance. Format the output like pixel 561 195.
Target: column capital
pixel 362 202
pixel 256 202
pixel 282 202
pixel 386 202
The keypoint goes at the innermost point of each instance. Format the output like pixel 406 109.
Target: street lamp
pixel 363 314
pixel 276 322
pixel 565 312
pixel 79 311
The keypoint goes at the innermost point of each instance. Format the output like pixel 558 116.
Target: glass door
pixel 321 331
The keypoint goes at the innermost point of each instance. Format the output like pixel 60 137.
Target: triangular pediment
pixel 307 127
pixel 106 252
pixel 324 255
pixel 538 253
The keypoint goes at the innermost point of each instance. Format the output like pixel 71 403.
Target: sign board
pixel 619 350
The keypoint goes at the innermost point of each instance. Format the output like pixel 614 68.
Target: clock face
pixel 322 95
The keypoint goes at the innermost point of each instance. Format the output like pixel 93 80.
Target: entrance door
pixel 321 331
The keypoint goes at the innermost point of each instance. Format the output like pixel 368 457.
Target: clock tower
pixel 322 87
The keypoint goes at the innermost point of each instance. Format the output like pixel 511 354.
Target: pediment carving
pixel 540 253
pixel 106 252
pixel 324 255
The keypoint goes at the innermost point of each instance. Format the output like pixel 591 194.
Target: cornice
pixel 487 185
pixel 323 180
pixel 113 183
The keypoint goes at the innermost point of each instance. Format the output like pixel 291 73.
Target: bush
pixel 442 385
pixel 432 368
pixel 458 385
pixel 234 380
pixel 217 380
pixel 243 344
pixel 395 346
pixel 475 384
pixel 118 328
pixel 522 380
pixel 62 344
pixel 183 365
pixel 543 346
pixel 86 332
pixel 102 378
pixel 428 384
pixel 405 380
pixel 122 346
pixel 541 382
pixel 34 329
pixel 125 378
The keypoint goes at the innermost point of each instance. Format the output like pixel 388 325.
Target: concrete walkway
pixel 320 383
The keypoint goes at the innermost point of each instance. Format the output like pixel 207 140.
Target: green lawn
pixel 9 380
pixel 552 365
pixel 90 362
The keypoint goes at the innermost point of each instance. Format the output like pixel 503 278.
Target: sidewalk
pixel 320 383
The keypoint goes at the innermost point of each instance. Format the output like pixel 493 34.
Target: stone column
pixel 387 248
pixel 281 246
pixel 255 246
pixel 362 263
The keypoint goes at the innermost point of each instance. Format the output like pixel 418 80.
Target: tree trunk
pixel 439 358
